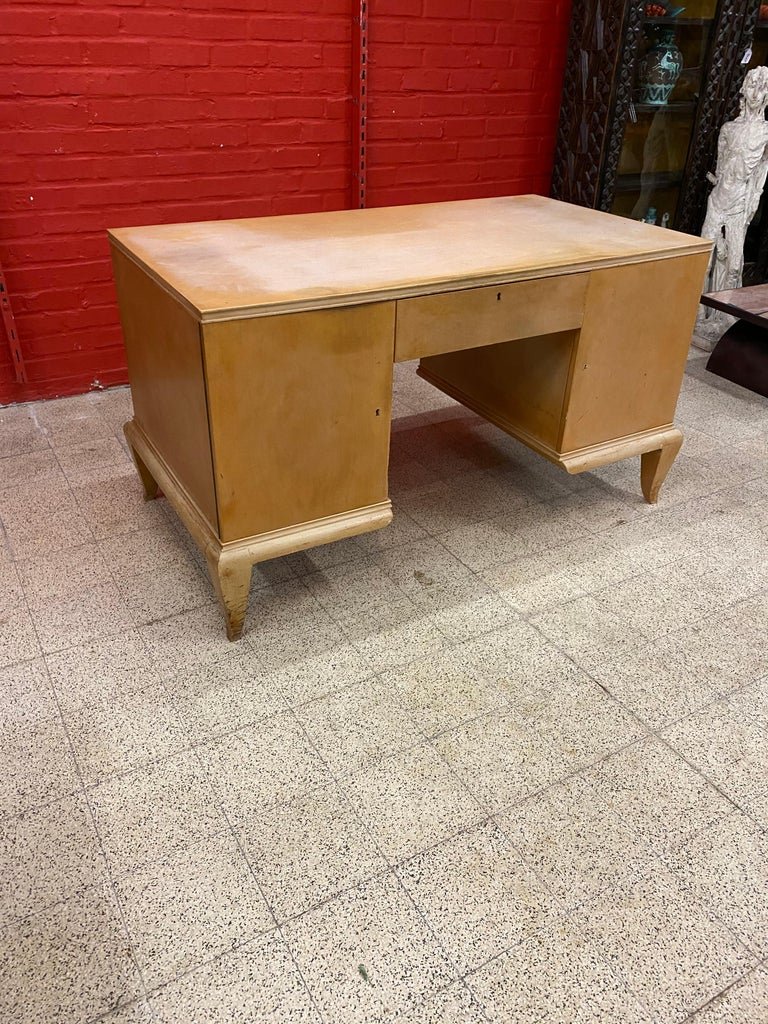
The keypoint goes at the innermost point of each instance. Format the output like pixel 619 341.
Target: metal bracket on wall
pixel 9 322
pixel 359 103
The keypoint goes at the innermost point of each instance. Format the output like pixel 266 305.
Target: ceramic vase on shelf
pixel 660 69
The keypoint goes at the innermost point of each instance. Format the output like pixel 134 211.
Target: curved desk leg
pixel 231 578
pixel 148 482
pixel 655 465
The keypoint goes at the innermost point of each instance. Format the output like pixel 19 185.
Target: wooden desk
pixel 260 355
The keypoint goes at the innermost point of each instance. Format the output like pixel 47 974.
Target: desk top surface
pixel 236 268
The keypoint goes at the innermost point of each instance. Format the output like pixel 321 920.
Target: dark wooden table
pixel 741 355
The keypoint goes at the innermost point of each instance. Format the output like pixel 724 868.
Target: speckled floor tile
pixel 411 801
pixel 62 574
pixel 500 760
pixel 71 421
pixel 116 733
pixel 577 845
pixel 109 667
pixel 81 618
pixel 277 647
pixel 367 954
pixel 256 982
pixel 554 977
pixel 454 1005
pixel 137 1013
pixel 101 459
pixel 468 608
pixel 447 689
pixel 389 648
pixel 317 675
pixel 667 948
pixel 46 854
pixel 477 895
pixel 18 637
pixel 308 850
pixel 578 718
pixel 26 694
pixel 355 728
pixel 116 506
pixel 726 867
pixel 183 641
pixel 191 906
pixel 751 702
pixel 143 551
pixel 675 675
pixel 659 798
pixel 729 749
pixel 745 1002
pixel 263 765
pixel 228 695
pixel 174 589
pixel 407 665
pixel 11 591
pixel 36 765
pixel 360 597
pixel 150 812
pixel 345 552
pixel 70 963
pixel 443 506
pixel 402 530
pixel 37 471
pixel 20 431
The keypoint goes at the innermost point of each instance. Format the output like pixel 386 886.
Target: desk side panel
pixel 300 415
pixel 165 368
pixel 630 359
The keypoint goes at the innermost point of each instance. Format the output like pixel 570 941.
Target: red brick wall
pixel 136 112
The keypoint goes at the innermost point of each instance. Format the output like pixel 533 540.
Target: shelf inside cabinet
pixel 659 179
pixel 677 21
pixel 676 107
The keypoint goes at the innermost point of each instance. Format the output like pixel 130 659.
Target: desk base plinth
pixel 230 562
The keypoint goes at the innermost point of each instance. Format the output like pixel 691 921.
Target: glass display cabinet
pixel 647 86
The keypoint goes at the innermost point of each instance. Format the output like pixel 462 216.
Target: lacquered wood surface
pixel 227 269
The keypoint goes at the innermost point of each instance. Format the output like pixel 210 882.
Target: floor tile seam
pixel 718 995
pixel 597 954
pixel 695 768
pixel 646 726
pixel 712 908
pixel 587 929
pixel 580 669
pixel 571 909
pixel 721 697
pixel 155 989
pixel 278 929
pixel 339 782
pixel 105 859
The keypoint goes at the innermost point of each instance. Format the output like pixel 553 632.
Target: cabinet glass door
pixel 669 71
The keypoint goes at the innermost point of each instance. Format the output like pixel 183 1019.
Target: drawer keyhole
pixel 498 296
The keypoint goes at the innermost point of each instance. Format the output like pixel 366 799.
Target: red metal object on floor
pixel 12 334
pixel 359 103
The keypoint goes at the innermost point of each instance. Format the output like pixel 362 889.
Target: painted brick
pixel 125 112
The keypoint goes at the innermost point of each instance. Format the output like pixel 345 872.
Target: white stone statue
pixel 742 166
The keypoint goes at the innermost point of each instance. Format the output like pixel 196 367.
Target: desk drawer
pixel 450 321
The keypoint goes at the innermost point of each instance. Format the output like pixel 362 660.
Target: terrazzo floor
pixel 505 761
